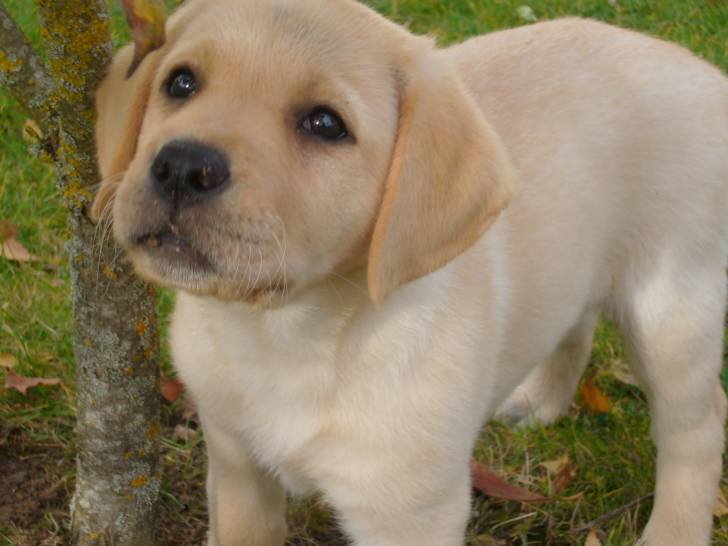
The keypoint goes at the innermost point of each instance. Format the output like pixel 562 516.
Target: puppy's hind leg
pixel 547 392
pixel 672 322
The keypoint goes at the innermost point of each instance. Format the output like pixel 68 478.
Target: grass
pixel 612 454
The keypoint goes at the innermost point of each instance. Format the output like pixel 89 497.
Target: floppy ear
pixel 121 103
pixel 449 179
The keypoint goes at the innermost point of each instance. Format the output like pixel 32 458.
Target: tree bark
pixel 23 73
pixel 116 338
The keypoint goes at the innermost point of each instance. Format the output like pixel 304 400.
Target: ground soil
pixel 37 481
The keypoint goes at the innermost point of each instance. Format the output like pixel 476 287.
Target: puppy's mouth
pixel 170 246
pixel 182 257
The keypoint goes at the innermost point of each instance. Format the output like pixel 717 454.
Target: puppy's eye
pixel 324 123
pixel 181 84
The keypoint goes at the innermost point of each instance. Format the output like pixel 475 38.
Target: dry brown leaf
pixel 22 384
pixel 562 470
pixel 592 539
pixel 13 250
pixel 146 19
pixel 622 373
pixel 10 247
pixel 32 131
pixel 721 506
pixel 564 477
pixel 8 230
pixel 594 398
pixel 183 433
pixel 7 361
pixel 555 466
pixel 493 485
pixel 170 388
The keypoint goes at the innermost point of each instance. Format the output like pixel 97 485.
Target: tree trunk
pixel 117 480
pixel 116 337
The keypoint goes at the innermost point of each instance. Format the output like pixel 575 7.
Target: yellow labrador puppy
pixel 377 244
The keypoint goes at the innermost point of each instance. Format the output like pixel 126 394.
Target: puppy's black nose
pixel 186 172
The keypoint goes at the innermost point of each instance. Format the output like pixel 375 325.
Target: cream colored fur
pixel 375 300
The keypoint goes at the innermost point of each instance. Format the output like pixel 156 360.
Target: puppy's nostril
pixel 196 180
pixel 161 170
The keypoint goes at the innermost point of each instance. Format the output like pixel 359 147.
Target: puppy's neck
pixel 323 308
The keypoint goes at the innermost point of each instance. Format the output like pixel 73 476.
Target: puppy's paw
pixel 654 536
pixel 526 409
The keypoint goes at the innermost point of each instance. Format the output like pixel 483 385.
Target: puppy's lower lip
pixel 156 240
pixel 169 245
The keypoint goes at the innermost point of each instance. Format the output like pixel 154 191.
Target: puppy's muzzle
pixel 187 172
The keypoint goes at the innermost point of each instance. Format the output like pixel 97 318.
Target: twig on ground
pixel 611 514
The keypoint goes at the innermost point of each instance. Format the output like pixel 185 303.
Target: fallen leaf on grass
pixel 13 250
pixel 493 485
pixel 146 20
pixel 8 230
pixel 170 388
pixel 592 539
pixel 564 478
pixel 555 466
pixel 183 433
pixel 10 247
pixel 31 131
pixel 621 372
pixel 594 398
pixel 22 384
pixel 721 506
pixel 7 361
pixel 562 470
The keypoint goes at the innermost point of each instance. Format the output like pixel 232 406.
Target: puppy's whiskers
pixel 260 259
pixel 281 260
pixel 249 248
pixel 101 233
pixel 235 280
pixel 359 287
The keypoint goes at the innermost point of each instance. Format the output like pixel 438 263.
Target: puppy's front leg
pixel 411 506
pixel 246 505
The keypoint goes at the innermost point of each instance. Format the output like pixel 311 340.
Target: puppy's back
pixel 590 112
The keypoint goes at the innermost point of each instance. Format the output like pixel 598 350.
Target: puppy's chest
pixel 271 389
pixel 306 395
pixel 275 398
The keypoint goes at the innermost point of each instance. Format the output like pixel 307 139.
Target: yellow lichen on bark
pixel 140 481
pixel 110 273
pixel 83 35
pixel 154 431
pixel 7 64
pixel 77 37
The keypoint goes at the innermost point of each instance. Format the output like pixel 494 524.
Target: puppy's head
pixel 272 143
